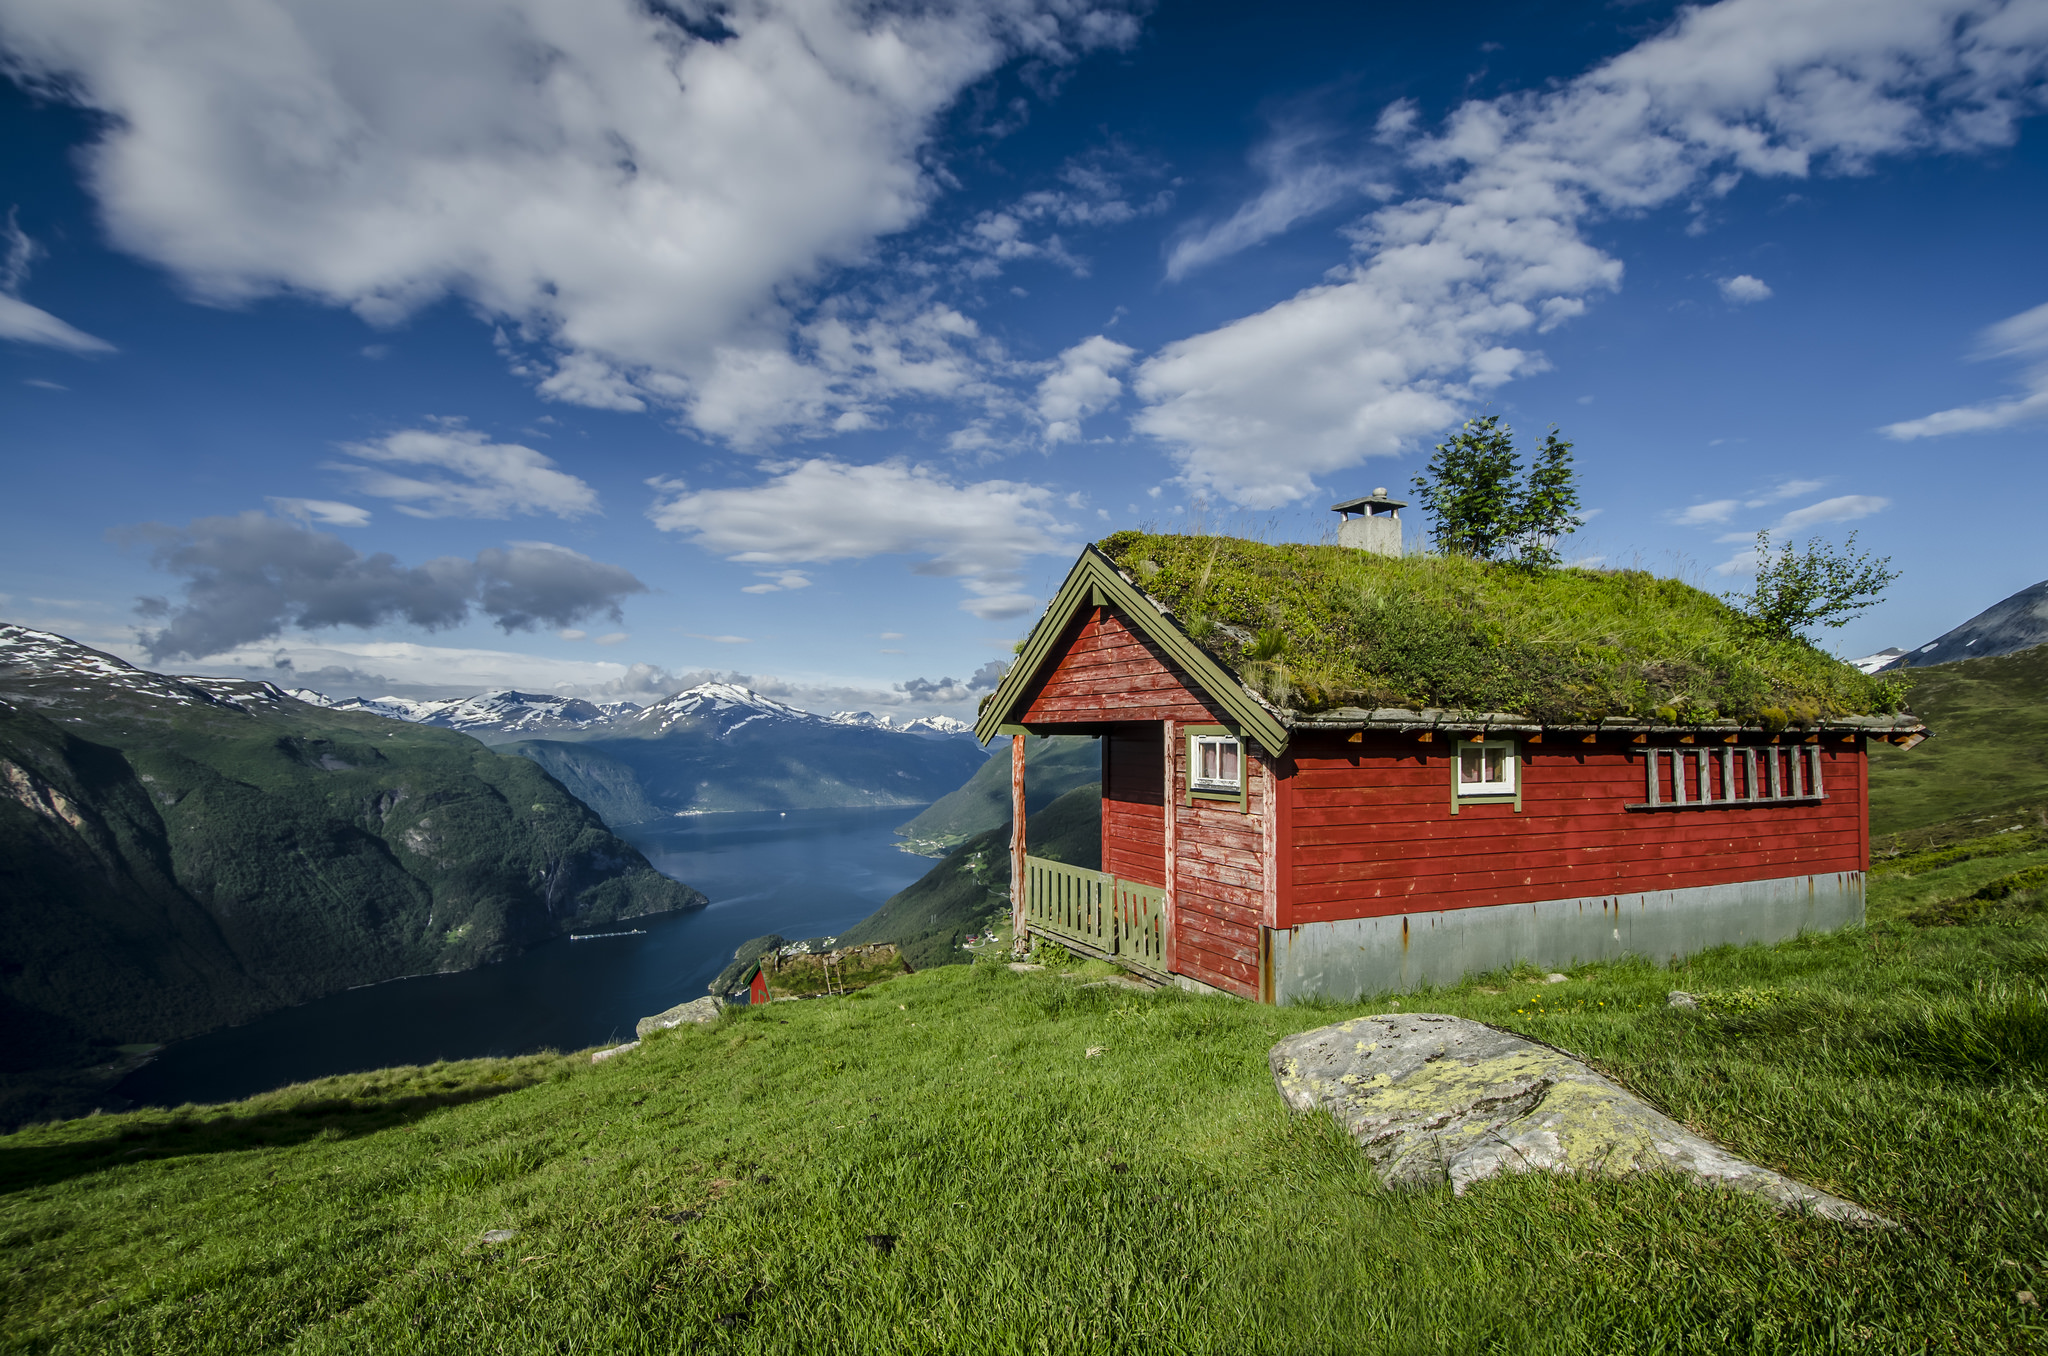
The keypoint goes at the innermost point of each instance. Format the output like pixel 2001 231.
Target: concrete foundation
pixel 1358 956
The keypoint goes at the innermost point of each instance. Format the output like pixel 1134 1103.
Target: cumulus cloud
pixel 249 577
pixel 28 324
pixel 1445 288
pixel 484 479
pixel 823 510
pixel 326 511
pixel 1743 289
pixel 1083 383
pixel 2024 337
pixel 642 194
pixel 1093 192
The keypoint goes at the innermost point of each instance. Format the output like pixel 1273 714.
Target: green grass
pixel 1323 626
pixel 716 1190
pixel 1987 765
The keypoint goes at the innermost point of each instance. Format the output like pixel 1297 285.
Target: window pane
pixel 1496 765
pixel 1207 749
pixel 1228 752
pixel 1470 766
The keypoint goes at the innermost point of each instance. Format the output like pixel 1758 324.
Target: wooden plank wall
pixel 1134 803
pixel 1219 881
pixel 1373 833
pixel 1108 671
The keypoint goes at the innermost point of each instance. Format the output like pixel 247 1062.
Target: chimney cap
pixel 1376 502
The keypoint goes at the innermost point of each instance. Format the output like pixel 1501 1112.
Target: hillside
pixel 719 747
pixel 1989 754
pixel 1053 766
pixel 969 891
pixel 937 1164
pixel 177 855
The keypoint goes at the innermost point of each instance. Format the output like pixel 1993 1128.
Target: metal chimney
pixel 1377 529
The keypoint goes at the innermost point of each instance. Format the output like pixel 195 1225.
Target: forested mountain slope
pixel 1053 766
pixel 177 854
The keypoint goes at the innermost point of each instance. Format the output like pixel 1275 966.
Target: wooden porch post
pixel 1020 929
pixel 1169 907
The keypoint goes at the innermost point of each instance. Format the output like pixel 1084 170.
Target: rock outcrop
pixel 696 1010
pixel 1434 1098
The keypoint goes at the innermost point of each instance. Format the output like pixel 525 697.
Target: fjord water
pixel 805 874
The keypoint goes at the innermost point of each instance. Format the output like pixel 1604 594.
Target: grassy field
pixel 939 1164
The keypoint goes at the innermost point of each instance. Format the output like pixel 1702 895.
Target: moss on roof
pixel 1319 627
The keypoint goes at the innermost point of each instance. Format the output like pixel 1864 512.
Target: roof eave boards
pixel 1094 581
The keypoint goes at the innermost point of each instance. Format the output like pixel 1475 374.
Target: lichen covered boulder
pixel 1433 1099
pixel 696 1010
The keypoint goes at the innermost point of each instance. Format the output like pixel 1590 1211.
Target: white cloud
pixel 1843 508
pixel 1742 289
pixel 491 480
pixel 645 207
pixel 571 633
pixel 1713 511
pixel 778 581
pixel 28 324
pixel 1444 289
pixel 1789 489
pixel 1083 384
pixel 1302 178
pixel 822 510
pixel 321 511
pixel 613 638
pixel 2024 336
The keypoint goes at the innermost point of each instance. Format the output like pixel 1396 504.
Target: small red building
pixel 1277 855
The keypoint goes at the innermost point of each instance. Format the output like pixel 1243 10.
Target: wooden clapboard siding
pixel 1219 881
pixel 1372 833
pixel 1134 803
pixel 1108 671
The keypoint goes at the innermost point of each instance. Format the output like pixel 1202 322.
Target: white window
pixel 1215 763
pixel 1486 769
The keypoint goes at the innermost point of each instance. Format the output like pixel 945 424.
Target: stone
pixel 500 1235
pixel 1094 1052
pixel 1557 979
pixel 600 1056
pixel 1679 998
pixel 696 1010
pixel 1433 1098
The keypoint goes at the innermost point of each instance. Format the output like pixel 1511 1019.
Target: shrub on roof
pixel 1317 627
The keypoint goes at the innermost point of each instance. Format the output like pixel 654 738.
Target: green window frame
pixel 1499 763
pixel 1216 736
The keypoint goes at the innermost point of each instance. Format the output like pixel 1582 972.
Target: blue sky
pixel 587 346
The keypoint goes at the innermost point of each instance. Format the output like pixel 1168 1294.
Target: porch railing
pixel 1119 920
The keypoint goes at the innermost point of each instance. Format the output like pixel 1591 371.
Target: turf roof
pixel 1315 628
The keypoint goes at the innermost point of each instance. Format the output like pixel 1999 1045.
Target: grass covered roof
pixel 1313 628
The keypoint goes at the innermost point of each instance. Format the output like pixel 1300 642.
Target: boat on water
pixel 600 936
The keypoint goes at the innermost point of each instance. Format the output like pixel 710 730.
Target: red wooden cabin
pixel 1276 855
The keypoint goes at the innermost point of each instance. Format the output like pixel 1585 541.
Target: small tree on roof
pixel 1484 508
pixel 1816 585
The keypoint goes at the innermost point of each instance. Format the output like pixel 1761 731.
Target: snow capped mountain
pixel 724 705
pixel 1871 663
pixel 942 726
pixel 497 717
pixel 2006 627
pixel 64 667
pixel 502 712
